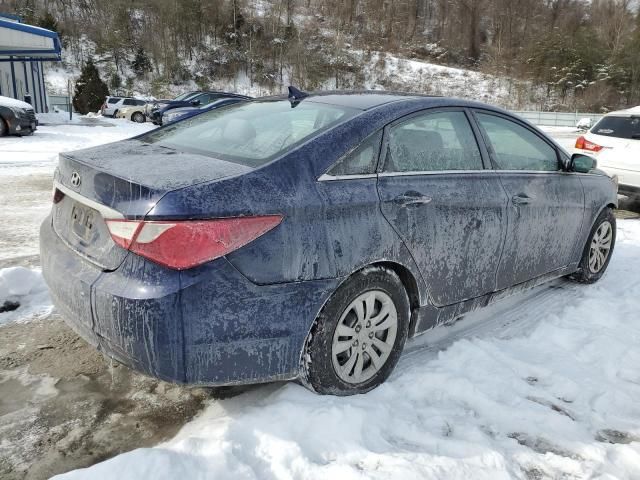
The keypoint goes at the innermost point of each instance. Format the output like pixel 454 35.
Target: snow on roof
pixel 628 111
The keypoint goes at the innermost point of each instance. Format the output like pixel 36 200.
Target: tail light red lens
pixel 584 144
pixel 186 244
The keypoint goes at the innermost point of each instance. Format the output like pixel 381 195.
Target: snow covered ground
pixel 23 294
pixel 542 385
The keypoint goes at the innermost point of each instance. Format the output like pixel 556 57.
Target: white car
pixel 615 142
pixel 135 114
pixel 112 105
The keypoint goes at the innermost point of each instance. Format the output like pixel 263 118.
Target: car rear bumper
pixel 209 325
pixel 629 190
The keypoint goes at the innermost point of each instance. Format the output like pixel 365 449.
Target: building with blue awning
pixel 23 49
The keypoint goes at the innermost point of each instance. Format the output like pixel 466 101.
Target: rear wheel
pixel 138 117
pixel 4 129
pixel 358 337
pixel 597 252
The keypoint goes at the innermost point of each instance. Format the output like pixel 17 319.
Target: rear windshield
pixel 185 95
pixel 621 127
pixel 251 133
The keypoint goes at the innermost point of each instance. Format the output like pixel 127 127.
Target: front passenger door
pixel 445 206
pixel 546 204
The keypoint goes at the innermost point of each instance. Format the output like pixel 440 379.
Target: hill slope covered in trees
pixel 547 54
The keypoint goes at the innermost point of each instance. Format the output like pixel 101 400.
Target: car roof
pixel 629 112
pixel 370 99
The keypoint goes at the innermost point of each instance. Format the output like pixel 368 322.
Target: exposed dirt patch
pixel 64 406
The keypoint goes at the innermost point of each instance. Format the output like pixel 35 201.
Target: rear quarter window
pixel 620 127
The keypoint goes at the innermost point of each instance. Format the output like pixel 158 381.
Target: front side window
pixel 516 147
pixel 438 141
pixel 251 133
pixel 360 161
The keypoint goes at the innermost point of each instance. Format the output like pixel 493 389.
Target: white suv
pixel 113 104
pixel 615 142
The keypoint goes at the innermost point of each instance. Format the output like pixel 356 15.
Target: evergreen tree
pixel 90 90
pixel 141 63
pixel 48 21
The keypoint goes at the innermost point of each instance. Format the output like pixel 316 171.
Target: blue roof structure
pixel 17 40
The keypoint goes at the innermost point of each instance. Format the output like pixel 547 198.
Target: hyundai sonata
pixel 308 237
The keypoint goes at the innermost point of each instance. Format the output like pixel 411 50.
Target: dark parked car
pixel 183 113
pixel 16 117
pixel 309 237
pixel 191 99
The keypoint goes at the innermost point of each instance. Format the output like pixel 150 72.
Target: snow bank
pixel 26 289
pixel 547 389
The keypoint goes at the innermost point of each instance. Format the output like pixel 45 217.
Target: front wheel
pixel 358 337
pixel 4 129
pixel 597 252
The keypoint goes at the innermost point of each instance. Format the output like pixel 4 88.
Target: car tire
pixel 598 250
pixel 138 117
pixel 115 114
pixel 346 340
pixel 4 128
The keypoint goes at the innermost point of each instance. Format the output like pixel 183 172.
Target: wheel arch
pixel 407 278
pixel 4 122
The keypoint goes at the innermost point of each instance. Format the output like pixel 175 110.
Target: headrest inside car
pixel 239 130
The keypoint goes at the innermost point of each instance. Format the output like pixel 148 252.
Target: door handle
pixel 521 199
pixel 412 198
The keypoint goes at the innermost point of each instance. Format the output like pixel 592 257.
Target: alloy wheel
pixel 600 247
pixel 364 337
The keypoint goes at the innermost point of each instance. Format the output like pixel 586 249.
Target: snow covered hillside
pixel 381 71
pixel 543 385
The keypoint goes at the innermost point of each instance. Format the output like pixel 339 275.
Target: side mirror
pixel 582 163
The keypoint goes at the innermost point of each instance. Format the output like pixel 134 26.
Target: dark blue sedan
pixel 183 113
pixel 307 237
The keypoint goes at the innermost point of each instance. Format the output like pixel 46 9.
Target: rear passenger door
pixel 546 204
pixel 447 208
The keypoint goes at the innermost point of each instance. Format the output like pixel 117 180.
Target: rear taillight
pixel 185 244
pixel 584 144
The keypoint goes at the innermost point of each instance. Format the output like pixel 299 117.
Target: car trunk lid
pixel 121 181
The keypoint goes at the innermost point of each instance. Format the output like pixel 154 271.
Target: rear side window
pixel 517 148
pixel 113 100
pixel 620 127
pixel 438 141
pixel 360 161
pixel 251 133
pixel 129 101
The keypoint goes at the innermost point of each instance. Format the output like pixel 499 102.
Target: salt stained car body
pixel 308 237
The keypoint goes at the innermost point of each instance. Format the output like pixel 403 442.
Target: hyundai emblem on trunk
pixel 75 179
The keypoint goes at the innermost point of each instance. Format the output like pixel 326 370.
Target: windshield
pixel 251 133
pixel 184 96
pixel 620 127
